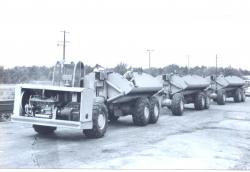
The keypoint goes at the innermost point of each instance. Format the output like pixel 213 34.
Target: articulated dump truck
pixel 225 87
pixel 179 90
pixel 86 102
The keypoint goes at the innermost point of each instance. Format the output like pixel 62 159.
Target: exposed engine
pixel 52 107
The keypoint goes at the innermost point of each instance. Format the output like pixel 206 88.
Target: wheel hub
pixel 203 102
pixel 146 112
pixel 182 105
pixel 156 111
pixel 101 121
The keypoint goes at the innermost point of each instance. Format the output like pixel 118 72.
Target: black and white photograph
pixel 125 84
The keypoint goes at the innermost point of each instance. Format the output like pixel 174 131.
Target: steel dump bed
pixel 178 82
pixel 227 82
pixel 221 82
pixel 185 83
pixel 195 82
pixel 123 90
pixel 145 83
pixel 234 81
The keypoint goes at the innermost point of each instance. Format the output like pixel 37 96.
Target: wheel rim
pixel 156 111
pixel 101 121
pixel 182 105
pixel 203 102
pixel 239 97
pixel 146 112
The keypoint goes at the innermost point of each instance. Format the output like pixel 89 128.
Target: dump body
pixel 229 82
pixel 234 81
pixel 121 90
pixel 145 83
pixel 195 82
pixel 186 84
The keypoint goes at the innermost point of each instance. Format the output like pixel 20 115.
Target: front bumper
pixel 52 122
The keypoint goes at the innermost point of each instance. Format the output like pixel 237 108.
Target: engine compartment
pixel 50 104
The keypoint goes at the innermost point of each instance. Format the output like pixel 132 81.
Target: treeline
pixel 25 74
pixel 173 68
pixel 42 73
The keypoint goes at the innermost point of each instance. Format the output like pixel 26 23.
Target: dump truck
pixel 7 94
pixel 132 94
pixel 225 87
pixel 179 90
pixel 85 102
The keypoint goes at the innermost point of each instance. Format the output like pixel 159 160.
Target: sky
pixel 108 32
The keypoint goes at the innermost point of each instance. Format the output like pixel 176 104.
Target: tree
pixel 121 68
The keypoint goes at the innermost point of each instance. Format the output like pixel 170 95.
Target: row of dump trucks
pixel 88 102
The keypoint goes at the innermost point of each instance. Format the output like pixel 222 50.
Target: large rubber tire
pixel 221 97
pixel 141 113
pixel 200 101
pixel 44 130
pixel 100 121
pixel 207 102
pixel 177 106
pixel 154 110
pixel 243 96
pixel 237 95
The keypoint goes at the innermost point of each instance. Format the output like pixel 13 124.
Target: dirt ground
pixel 218 138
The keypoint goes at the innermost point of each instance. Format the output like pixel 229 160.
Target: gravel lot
pixel 218 138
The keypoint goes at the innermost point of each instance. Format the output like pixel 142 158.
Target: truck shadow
pixel 70 135
pixel 122 123
pixel 60 135
pixel 189 109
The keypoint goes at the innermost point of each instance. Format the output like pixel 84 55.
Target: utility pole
pixel 188 63
pixel 216 71
pixel 149 57
pixel 63 43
